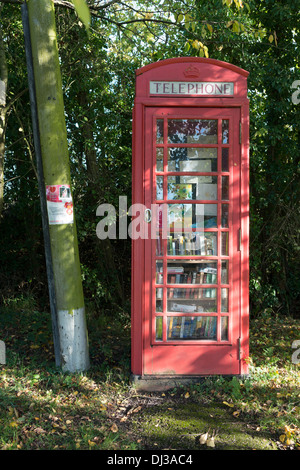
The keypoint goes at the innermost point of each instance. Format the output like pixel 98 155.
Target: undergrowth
pixel 43 408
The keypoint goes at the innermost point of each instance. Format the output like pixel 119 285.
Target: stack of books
pixel 194 244
pixel 188 328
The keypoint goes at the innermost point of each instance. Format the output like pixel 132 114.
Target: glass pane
pixel 192 272
pixel 159 244
pixel 224 299
pixel 159 328
pixel 159 272
pixel 225 131
pixel 196 328
pixel 192 244
pixel 159 187
pixel 193 159
pixel 187 300
pixel 224 272
pixel 224 328
pixel 225 159
pixel 159 159
pixel 193 131
pixel 193 187
pixel 225 213
pixel 224 243
pixel 225 188
pixel 160 131
pixel 159 299
pixel 158 216
pixel 192 216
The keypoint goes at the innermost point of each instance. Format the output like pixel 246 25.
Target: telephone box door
pixel 192 252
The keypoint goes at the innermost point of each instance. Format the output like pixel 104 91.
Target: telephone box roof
pixel 196 60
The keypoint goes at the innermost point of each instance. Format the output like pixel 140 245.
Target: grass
pixel 43 408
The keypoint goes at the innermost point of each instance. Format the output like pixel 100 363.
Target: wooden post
pixel 56 169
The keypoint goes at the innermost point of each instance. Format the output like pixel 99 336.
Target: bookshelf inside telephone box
pixel 190 261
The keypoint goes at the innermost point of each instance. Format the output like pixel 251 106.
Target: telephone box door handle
pixel 148 216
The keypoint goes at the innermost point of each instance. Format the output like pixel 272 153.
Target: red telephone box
pixel 190 263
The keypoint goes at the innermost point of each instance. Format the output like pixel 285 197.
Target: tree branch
pixel 14 99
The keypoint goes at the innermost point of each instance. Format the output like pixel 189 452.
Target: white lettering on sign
pixel 192 88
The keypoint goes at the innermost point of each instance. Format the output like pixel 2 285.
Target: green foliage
pixel 99 83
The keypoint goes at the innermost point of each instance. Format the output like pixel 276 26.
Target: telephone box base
pixel 159 383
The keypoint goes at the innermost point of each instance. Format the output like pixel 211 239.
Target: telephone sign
pixel 192 88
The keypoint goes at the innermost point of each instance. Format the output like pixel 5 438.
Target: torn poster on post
pixel 59 204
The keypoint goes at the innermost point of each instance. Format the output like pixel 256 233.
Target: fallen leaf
pixel 114 428
pixel 187 395
pixel 203 438
pixel 39 430
pixel 228 404
pixel 13 424
pixel 136 410
pixel 210 442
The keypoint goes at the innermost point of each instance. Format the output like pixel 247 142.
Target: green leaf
pixel 83 12
pixel 209 27
pixel 187 19
pixel 236 27
pixel 187 47
pixel 247 6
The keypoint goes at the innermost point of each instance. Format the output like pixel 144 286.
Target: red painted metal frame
pixel 173 69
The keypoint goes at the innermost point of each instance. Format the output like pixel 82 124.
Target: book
pixel 183 319
pixel 186 329
pixel 175 331
pixel 170 327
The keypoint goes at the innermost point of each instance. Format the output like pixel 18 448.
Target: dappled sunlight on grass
pixel 43 408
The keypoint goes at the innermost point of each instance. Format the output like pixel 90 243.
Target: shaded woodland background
pixel 98 74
